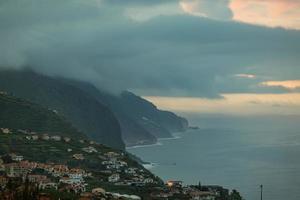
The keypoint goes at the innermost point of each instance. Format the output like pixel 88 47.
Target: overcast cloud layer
pixel 150 47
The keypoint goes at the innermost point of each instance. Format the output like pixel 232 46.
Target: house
pixel 67 139
pixel 114 178
pixel 5 130
pixel 71 184
pixel 26 165
pixel 45 137
pixel 125 196
pixel 56 138
pixel 122 163
pixel 60 168
pixel 89 149
pixel 48 185
pixel 92 142
pixel 78 156
pixel 148 180
pixel 70 181
pixel 14 170
pixel 16 158
pixel 98 191
pixel 174 184
pixel 36 178
pixel 111 154
pixel 86 196
pixel 76 173
pixel 201 195
pixel 130 170
pixel 34 137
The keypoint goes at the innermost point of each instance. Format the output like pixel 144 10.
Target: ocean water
pixel 235 152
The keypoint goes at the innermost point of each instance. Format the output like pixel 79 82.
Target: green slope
pixel 81 109
pixel 16 113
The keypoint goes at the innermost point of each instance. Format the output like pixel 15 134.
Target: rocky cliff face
pixel 141 121
pixel 106 118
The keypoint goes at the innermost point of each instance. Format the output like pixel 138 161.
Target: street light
pixel 261 192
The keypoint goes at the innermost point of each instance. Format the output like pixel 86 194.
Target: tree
pixel 235 195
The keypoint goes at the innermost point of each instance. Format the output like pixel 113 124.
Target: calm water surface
pixel 239 153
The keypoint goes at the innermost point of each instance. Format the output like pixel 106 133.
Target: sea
pixel 235 152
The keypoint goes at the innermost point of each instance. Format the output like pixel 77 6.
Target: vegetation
pixel 85 113
pixel 16 113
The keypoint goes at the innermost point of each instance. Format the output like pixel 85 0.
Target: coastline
pixel 144 145
pixel 175 136
pixel 150 165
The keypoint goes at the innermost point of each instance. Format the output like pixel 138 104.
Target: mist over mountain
pixel 141 121
pixel 107 118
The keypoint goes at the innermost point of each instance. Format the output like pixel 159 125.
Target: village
pixel 113 170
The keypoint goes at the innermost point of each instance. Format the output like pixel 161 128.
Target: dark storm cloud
pixel 176 55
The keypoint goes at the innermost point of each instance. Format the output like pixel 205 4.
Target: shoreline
pixel 150 165
pixel 175 136
pixel 144 145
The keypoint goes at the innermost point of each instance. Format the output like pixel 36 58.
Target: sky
pixel 220 56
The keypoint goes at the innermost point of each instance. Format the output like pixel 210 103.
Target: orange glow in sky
pixel 273 13
pixel 237 104
pixel 290 84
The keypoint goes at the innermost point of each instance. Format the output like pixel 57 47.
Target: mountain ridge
pixel 107 118
pixel 83 111
pixel 137 115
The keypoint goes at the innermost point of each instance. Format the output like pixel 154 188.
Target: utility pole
pixel 261 192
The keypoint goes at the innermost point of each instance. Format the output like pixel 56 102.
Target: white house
pixel 67 139
pixel 114 178
pixel 34 137
pixel 56 138
pixel 78 156
pixel 17 158
pixel 5 130
pixel 148 180
pixel 89 149
pixel 45 137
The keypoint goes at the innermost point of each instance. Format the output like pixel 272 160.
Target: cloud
pixel 233 104
pixel 251 76
pixel 272 13
pixel 288 84
pixel 142 12
pixel 166 54
pixel 206 8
